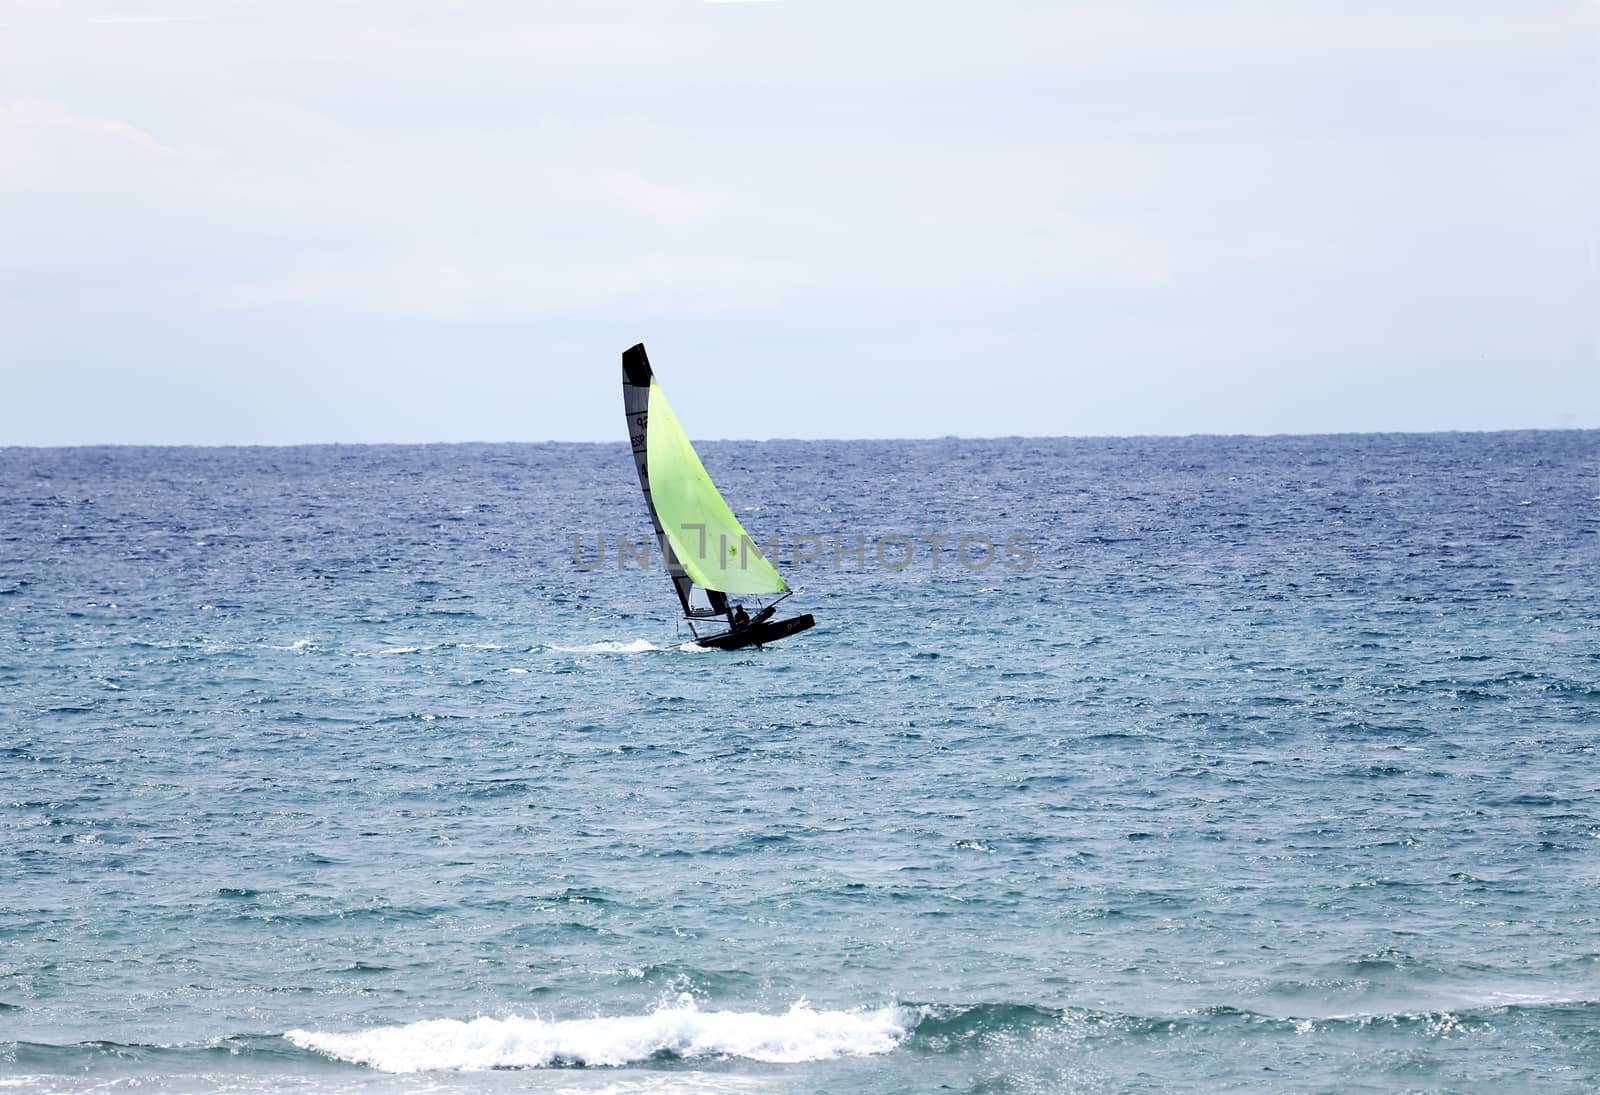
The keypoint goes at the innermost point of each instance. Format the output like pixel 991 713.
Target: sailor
pixel 740 617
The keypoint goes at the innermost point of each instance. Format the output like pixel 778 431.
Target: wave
pixel 628 646
pixel 632 646
pixel 678 1031
pixel 681 1032
pixel 944 1028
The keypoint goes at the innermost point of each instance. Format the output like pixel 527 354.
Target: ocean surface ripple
pixel 332 768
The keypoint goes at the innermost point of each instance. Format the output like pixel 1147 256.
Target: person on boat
pixel 740 618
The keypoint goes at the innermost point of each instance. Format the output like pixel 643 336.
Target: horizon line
pixel 805 440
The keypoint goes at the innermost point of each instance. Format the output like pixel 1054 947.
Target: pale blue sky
pixel 249 222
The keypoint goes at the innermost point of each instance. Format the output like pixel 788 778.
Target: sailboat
pixel 709 556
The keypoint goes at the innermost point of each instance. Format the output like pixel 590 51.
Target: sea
pixel 1231 764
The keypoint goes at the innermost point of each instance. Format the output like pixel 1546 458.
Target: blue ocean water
pixel 333 768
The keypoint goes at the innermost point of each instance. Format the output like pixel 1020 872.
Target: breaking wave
pixel 680 1030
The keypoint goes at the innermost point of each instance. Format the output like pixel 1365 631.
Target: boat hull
pixel 757 634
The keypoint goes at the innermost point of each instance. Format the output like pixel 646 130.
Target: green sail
pixel 710 544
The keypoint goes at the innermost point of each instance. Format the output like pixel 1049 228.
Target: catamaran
pixel 709 556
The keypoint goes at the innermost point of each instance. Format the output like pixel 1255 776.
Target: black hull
pixel 757 634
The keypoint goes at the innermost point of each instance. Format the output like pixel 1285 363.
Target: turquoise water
pixel 331 769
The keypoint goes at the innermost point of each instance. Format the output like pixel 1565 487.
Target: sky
pixel 243 222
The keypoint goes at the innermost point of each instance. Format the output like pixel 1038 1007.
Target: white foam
pixel 800 1034
pixel 632 646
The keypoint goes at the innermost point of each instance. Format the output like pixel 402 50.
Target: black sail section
pixel 636 377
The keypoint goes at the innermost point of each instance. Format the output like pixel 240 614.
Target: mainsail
pixel 705 546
